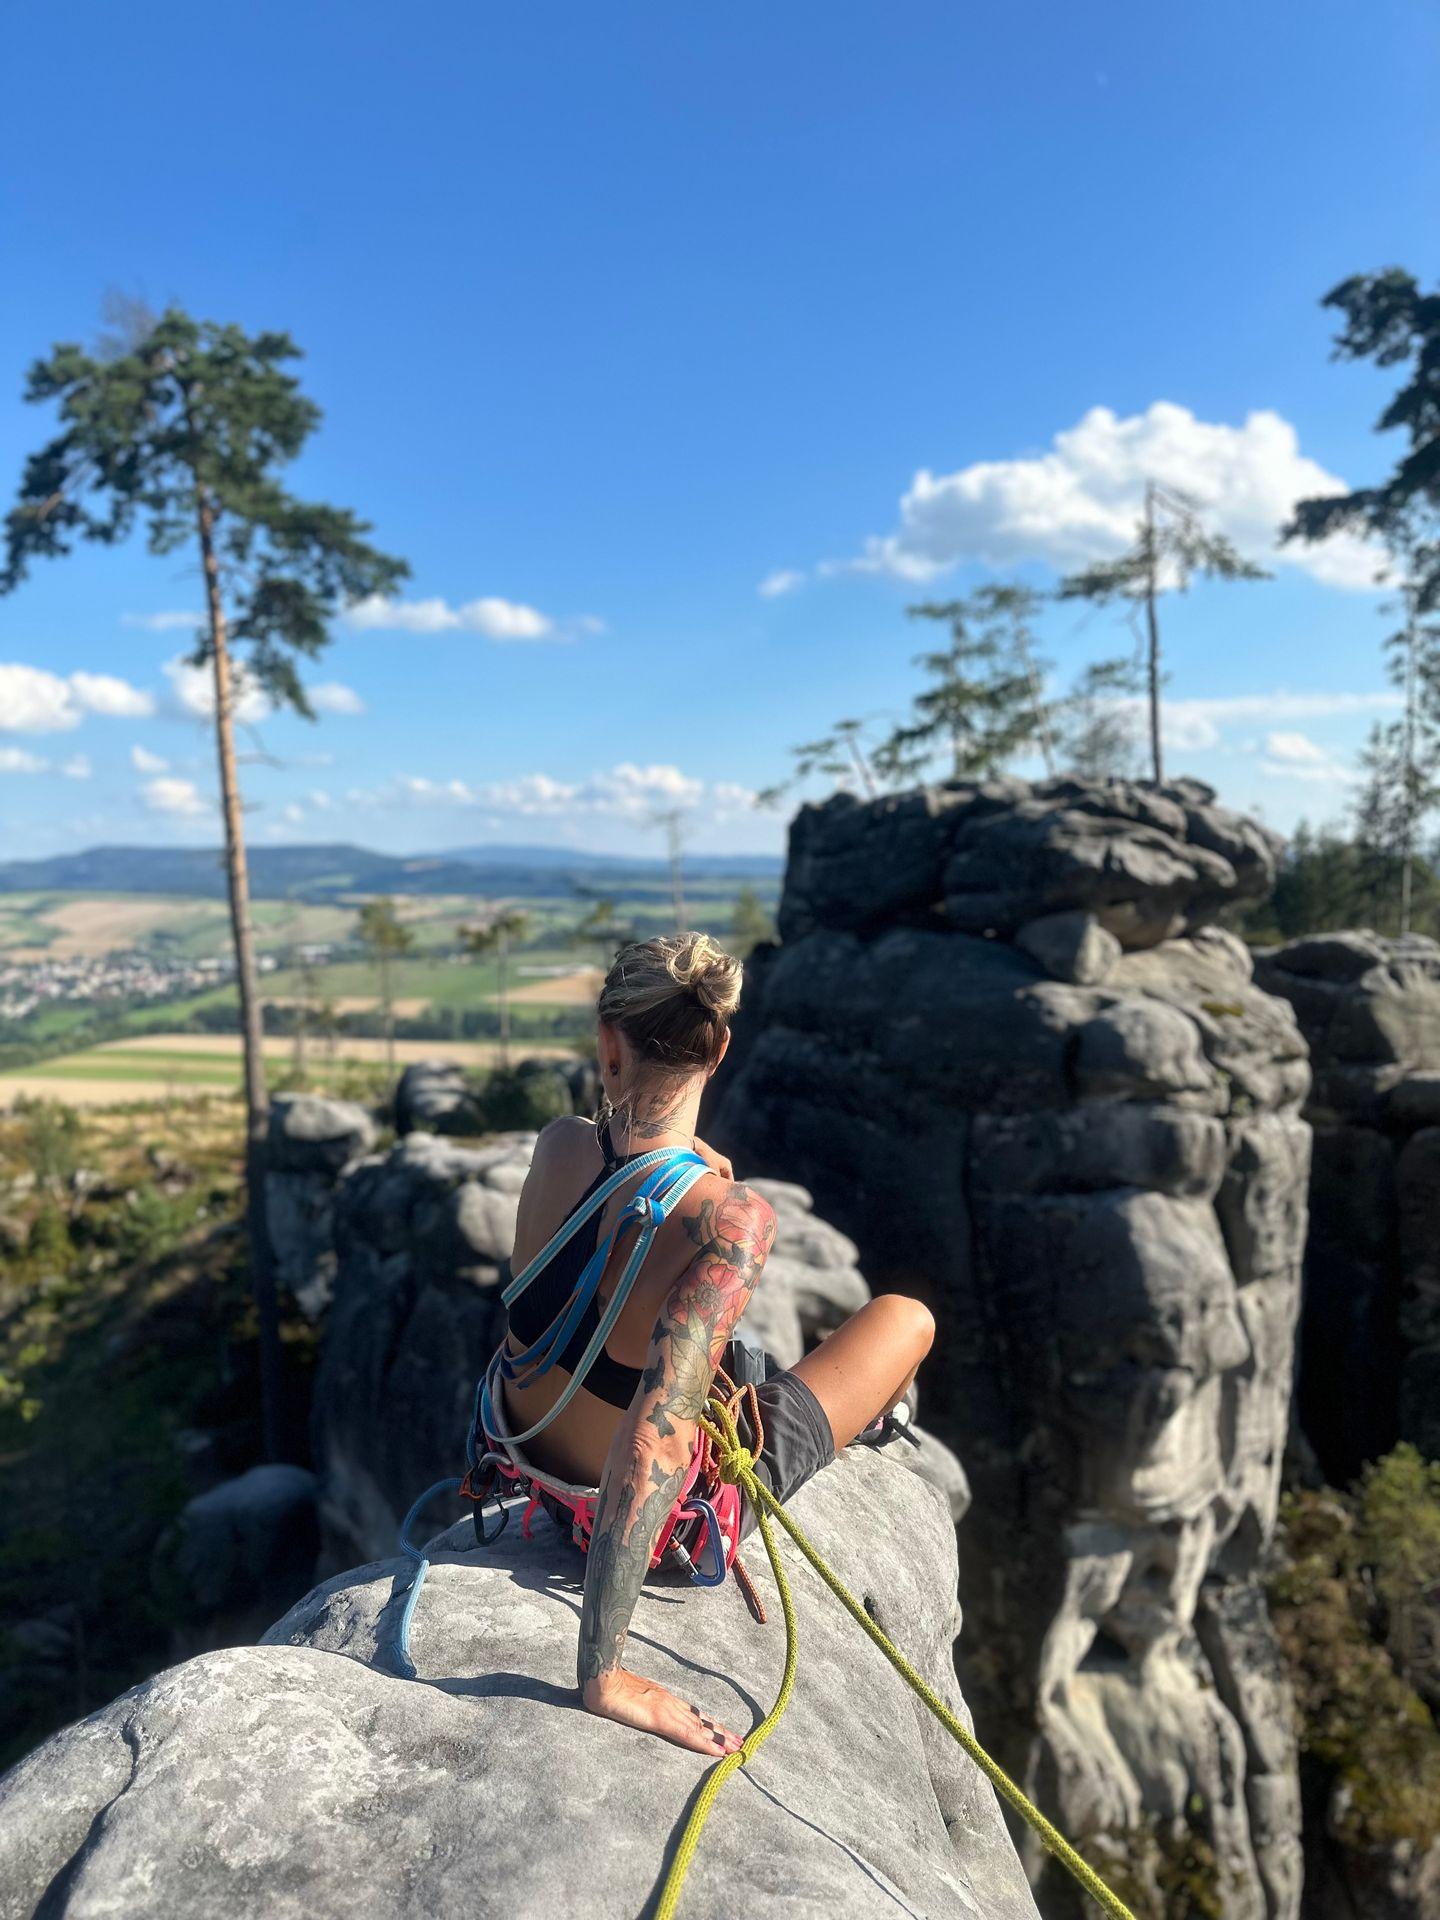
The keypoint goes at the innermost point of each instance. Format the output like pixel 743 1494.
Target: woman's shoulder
pixel 721 1211
pixel 567 1138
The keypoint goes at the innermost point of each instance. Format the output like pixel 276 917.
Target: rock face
pixel 310 1144
pixel 423 1238
pixel 1369 1008
pixel 1004 1048
pixel 300 1778
pixel 242 1549
pixel 434 1096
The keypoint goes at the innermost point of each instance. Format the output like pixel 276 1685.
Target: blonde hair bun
pixel 702 967
pixel 673 997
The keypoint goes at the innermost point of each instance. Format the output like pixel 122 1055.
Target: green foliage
pixel 1328 879
pixel 382 930
pixel 982 705
pixel 49 1131
pixel 525 1097
pixel 190 417
pixel 1096 722
pixel 750 924
pixel 1355 1600
pixel 1163 1870
pixel 1390 321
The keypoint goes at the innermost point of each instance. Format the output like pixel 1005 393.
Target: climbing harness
pixel 737 1464
pixel 701 1533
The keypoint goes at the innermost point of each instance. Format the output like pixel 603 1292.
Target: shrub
pixel 1355 1595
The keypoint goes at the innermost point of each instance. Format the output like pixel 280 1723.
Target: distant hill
pixel 330 872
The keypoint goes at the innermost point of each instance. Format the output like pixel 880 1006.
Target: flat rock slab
pixel 302 1778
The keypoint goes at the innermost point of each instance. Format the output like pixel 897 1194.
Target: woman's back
pixel 569 1165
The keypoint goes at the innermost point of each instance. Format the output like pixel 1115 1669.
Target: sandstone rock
pixel 1101 1191
pixel 434 1096
pixel 301 1778
pixel 312 1134
pixel 310 1143
pixel 1070 946
pixel 1370 1340
pixel 248 1545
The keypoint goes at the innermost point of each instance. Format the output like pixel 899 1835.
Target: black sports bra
pixel 544 1299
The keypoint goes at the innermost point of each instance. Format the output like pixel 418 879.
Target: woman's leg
pixel 865 1367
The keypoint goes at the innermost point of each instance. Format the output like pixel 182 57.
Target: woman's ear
pixel 607 1052
pixel 724 1049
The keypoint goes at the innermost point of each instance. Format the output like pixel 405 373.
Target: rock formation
pixel 301 1777
pixel 1369 1007
pixel 310 1144
pixel 1006 1048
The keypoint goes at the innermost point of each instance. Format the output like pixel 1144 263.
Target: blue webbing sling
pixel 670 1173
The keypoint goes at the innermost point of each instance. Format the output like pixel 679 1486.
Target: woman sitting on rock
pixel 664 1014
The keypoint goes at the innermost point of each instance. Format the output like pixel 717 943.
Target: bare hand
pixel 636 1702
pixel 716 1162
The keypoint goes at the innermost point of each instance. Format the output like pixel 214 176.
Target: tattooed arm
pixel 649 1457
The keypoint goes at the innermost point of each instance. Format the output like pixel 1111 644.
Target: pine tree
pixel 495 933
pixel 1388 320
pixel 186 424
pixel 750 924
pixel 983 704
pixel 387 937
pixel 1171 545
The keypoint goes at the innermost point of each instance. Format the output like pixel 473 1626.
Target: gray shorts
pixel 796 1441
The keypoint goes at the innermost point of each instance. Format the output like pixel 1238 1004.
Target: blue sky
pixel 618 314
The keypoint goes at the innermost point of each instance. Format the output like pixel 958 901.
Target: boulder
pixel 1070 946
pixel 1369 1007
pixel 310 1143
pixel 243 1548
pixel 301 1777
pixel 434 1096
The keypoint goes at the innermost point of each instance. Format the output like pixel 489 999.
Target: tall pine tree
pixel 185 424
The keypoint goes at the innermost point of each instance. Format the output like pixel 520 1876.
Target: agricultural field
pixel 165 1067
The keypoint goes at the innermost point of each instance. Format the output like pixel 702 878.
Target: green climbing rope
pixel 737 1465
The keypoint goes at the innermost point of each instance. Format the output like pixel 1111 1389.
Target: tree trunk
pixel 1152 624
pixel 1410 777
pixel 504 1005
pixel 387 1000
pixel 257 1106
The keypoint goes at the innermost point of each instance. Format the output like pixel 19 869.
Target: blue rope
pixel 422 1567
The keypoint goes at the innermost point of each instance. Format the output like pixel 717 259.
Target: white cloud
pixel 18 760
pixel 1295 756
pixel 625 792
pixel 144 761
pixel 783 580
pixel 104 693
pixel 1191 725
pixel 34 700
pixel 1078 502
pixel 161 622
pixel 293 812
pixel 491 616
pixel 174 796
pixel 77 767
pixel 194 690
pixel 331 696
pixel 320 801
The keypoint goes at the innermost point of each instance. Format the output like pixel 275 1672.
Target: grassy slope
pixel 124 1321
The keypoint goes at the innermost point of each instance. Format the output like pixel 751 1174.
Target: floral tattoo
pixel 650 1453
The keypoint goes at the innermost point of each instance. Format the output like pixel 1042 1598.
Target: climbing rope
pixel 737 1465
